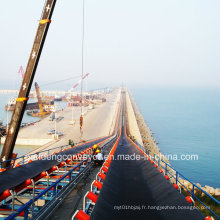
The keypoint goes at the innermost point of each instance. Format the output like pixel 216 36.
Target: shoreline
pixel 150 143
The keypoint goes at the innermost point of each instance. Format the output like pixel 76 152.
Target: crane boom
pixel 27 81
pixel 78 82
pixel 39 97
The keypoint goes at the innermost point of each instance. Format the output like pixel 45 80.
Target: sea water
pixel 4 98
pixel 185 121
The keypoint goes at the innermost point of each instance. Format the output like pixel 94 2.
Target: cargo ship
pixel 57 98
pixel 30 106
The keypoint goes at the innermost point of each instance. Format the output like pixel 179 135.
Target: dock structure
pixel 33 93
pixel 63 180
pixel 130 183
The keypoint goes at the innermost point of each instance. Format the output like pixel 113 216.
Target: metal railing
pixel 53 189
pixel 54 186
pixel 34 156
pixel 178 178
pixel 24 159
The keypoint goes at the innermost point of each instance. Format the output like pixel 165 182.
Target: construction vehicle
pixel 42 105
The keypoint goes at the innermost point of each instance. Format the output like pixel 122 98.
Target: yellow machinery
pixel 42 112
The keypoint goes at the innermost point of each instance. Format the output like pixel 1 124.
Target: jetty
pixel 41 188
pixel 95 160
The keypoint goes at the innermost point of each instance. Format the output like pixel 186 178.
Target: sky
pixel 134 42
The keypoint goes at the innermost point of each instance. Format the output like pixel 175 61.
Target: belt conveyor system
pixel 131 186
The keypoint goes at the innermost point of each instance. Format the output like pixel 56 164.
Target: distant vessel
pixel 31 112
pixel 30 106
pixel 57 98
pixel 11 104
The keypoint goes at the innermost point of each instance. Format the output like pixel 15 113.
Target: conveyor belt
pixel 138 184
pixel 18 175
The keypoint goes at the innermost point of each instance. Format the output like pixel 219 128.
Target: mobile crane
pixel 23 95
pixel 42 112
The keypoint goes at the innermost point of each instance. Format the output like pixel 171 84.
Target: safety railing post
pixel 193 187
pixel 70 176
pixel 54 190
pixel 79 168
pixel 177 174
pixel 13 200
pixel 154 158
pixel 165 168
pixel 47 183
pixel 26 214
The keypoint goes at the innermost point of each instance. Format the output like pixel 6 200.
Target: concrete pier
pixel 98 122
pixel 132 122
pixel 146 134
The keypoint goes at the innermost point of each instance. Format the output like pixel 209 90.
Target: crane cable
pixel 60 81
pixel 83 36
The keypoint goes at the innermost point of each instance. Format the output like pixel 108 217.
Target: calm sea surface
pixel 185 121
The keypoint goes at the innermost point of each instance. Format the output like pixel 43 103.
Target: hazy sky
pixel 148 42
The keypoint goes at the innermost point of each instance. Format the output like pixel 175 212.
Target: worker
pixel 71 142
pixel 99 159
pixel 95 148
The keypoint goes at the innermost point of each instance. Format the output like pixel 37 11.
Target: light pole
pixel 7 120
pixel 55 126
pixel 72 112
pixel 55 123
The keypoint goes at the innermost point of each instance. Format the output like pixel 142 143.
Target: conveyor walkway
pixel 13 177
pixel 135 189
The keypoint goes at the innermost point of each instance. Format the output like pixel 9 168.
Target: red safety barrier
pixel 209 218
pixel 106 164
pixel 52 169
pixel 9 210
pixel 155 165
pixel 175 186
pixel 23 185
pixel 105 169
pixel 5 194
pixel 43 174
pixel 62 164
pixel 109 160
pixel 152 161
pixel 81 215
pixel 167 177
pixel 74 157
pixel 102 176
pixel 68 161
pixel 98 184
pixel 189 199
pixel 161 171
pixel 92 196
